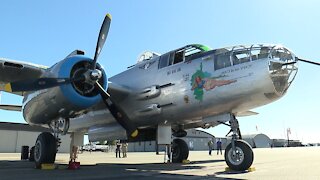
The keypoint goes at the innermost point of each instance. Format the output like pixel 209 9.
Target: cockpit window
pixel 241 56
pixel 186 53
pixel 222 60
pixel 178 56
pixel 164 60
pixel 281 54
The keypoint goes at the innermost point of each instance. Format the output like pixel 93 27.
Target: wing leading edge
pixel 13 70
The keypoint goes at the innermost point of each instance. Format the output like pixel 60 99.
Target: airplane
pixel 158 98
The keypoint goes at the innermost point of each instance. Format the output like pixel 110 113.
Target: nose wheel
pixel 238 154
pixel 240 157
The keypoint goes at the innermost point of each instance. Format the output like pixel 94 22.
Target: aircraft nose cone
pixel 283 68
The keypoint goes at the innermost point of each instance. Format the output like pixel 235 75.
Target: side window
pixel 222 61
pixel 264 52
pixel 164 61
pixel 171 58
pixel 255 54
pixel 178 56
pixel 239 57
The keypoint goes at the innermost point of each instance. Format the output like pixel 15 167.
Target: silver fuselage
pixel 189 93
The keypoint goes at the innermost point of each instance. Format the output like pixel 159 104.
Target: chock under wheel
pixel 73 165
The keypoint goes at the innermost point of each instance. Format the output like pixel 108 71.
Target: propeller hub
pixel 95 74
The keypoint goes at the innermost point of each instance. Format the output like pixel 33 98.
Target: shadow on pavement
pixel 26 170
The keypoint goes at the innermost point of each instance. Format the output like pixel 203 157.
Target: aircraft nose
pixel 282 68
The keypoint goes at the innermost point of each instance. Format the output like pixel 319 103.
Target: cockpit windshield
pixel 282 66
pixel 229 56
pixel 186 53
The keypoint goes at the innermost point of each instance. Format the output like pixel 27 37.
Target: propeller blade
pixel 35 84
pixel 38 84
pixel 101 39
pixel 117 112
pixel 307 61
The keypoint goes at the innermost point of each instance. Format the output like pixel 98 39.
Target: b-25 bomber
pixel 190 87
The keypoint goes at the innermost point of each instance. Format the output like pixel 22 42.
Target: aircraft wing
pixel 118 92
pixel 10 107
pixel 13 70
pixel 246 113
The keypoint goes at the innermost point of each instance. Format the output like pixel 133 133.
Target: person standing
pixel 118 147
pixel 124 149
pixel 210 146
pixel 219 146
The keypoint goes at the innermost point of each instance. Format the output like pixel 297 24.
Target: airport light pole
pixel 288 132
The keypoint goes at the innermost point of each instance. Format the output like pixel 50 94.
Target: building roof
pixel 21 127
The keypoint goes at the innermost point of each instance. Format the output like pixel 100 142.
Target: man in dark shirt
pixel 219 146
pixel 118 149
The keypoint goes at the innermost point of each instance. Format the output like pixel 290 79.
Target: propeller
pixel 293 62
pixel 101 39
pixel 38 84
pixel 92 75
pixel 307 61
pixel 117 112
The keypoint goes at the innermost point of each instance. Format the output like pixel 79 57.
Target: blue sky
pixel 44 32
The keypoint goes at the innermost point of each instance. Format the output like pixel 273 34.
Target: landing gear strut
pixel 238 154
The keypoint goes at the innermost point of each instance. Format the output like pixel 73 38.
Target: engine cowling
pixel 65 101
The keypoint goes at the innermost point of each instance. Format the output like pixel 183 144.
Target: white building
pixel 15 135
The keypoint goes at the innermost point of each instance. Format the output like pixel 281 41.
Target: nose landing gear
pixel 241 157
pixel 238 154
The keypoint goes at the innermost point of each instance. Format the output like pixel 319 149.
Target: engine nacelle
pixel 115 131
pixel 107 132
pixel 65 101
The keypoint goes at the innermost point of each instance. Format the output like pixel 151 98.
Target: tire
pixel 24 152
pixel 45 149
pixel 244 158
pixel 180 151
pixel 31 157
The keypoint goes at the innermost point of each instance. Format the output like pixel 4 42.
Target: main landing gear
pixel 238 154
pixel 47 144
pixel 180 151
pixel 45 149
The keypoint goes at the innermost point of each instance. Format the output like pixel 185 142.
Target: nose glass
pixel 282 68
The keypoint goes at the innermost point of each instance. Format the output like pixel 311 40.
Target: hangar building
pixel 258 140
pixel 15 135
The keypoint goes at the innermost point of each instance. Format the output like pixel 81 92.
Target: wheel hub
pixel 37 151
pixel 236 157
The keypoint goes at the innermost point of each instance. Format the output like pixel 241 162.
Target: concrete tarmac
pixel 276 163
